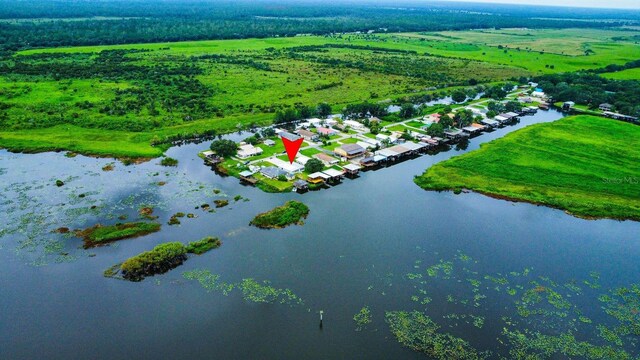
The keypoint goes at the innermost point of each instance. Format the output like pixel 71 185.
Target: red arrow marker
pixel 292 148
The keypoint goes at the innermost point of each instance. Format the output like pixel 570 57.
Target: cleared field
pixel 563 42
pixel 538 51
pixel 629 74
pixel 585 165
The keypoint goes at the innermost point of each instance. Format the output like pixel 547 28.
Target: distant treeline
pixel 70 23
pixel 613 67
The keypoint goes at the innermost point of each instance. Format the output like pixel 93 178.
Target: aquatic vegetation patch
pixel 168 161
pixel 543 319
pixel 362 318
pixel 263 292
pixel 100 234
pixel 210 282
pixel 252 290
pixel 221 203
pixel 202 246
pixel 419 332
pixel 292 212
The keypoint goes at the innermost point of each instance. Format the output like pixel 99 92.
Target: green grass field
pixel 583 164
pixel 629 74
pixel 75 99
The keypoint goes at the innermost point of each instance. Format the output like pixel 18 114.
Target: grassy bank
pixel 99 234
pixel 583 164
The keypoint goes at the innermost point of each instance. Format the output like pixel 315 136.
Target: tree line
pixel 150 21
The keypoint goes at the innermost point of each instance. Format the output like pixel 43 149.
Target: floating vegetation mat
pixel 252 290
pixel 529 316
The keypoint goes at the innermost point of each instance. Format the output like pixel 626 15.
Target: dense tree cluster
pixel 224 147
pixel 592 90
pixel 359 111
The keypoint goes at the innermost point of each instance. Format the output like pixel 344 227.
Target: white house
pixel 248 150
pixel 354 125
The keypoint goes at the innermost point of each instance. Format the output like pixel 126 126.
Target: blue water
pixel 360 240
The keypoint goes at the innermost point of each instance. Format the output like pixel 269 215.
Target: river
pixel 356 248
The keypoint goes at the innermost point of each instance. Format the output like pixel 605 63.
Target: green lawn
pixel 586 165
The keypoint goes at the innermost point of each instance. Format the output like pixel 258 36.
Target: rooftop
pixel 272 172
pixel 325 157
pixel 333 172
pixel 352 167
pixel 303 132
pixel 320 175
pixel 352 149
pixel 285 165
pixel 289 136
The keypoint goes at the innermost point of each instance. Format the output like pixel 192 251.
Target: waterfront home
pixel 301 185
pixel 431 142
pixel 355 125
pixel 512 115
pixel 374 160
pixel 568 105
pixel 618 116
pixel 326 159
pixel 269 142
pixel 301 159
pixel 247 176
pixel 489 122
pixel 387 154
pixel 334 175
pixel 471 130
pixel 605 107
pixel 352 169
pixel 291 168
pixel 408 148
pixel 326 131
pixel 273 172
pixel 454 133
pixel 308 135
pixel 349 151
pixel 248 150
pixel 317 178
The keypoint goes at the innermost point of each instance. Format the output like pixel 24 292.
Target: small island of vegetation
pixel 100 234
pixel 292 212
pixel 585 165
pixel 161 259
pixel 202 246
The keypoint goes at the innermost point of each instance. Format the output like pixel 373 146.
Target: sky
pixel 618 4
